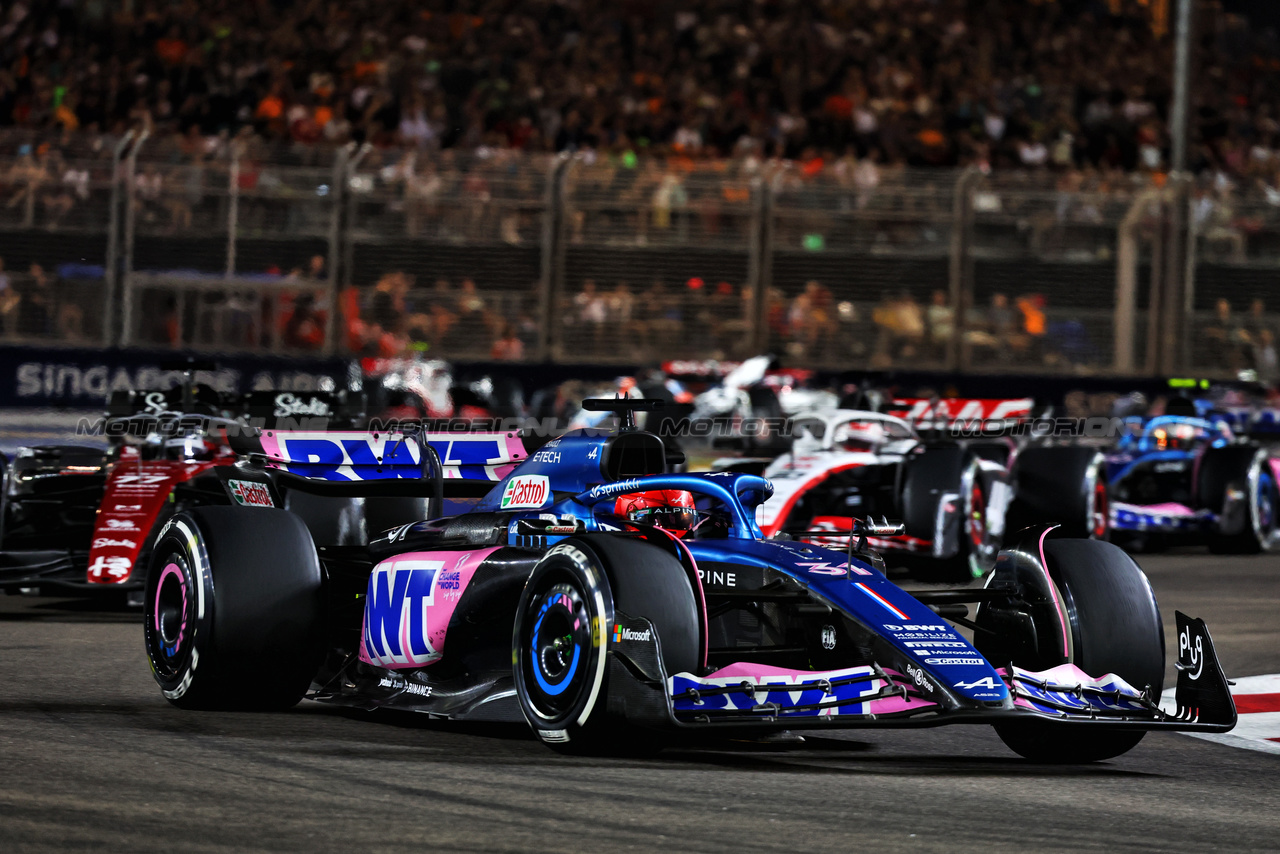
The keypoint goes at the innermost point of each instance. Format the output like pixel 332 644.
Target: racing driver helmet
pixel 670 509
pixel 1176 437
pixel 861 435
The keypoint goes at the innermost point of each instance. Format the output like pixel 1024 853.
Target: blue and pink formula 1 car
pixel 1182 478
pixel 614 605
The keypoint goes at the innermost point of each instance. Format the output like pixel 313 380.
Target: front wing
pixel 754 695
pixel 1169 517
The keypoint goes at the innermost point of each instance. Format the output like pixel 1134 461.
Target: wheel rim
pixel 557 649
pixel 1265 503
pixel 1101 512
pixel 977 517
pixel 171 622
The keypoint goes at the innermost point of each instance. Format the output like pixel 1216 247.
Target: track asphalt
pixel 91 756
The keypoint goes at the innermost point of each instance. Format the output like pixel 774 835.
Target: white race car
pixel 952 494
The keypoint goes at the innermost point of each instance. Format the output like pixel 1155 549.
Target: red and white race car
pixel 83 520
pixel 954 490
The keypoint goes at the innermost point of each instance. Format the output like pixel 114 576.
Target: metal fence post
pixel 960 274
pixel 551 277
pixel 352 157
pixel 29 205
pixel 1155 297
pixel 1128 256
pixel 552 341
pixel 130 216
pixel 760 263
pixel 1188 279
pixel 337 190
pixel 233 209
pixel 113 239
pixel 353 163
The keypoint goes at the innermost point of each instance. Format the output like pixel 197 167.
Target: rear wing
pixel 973 413
pixel 315 410
pixel 354 464
pixel 1248 421
pixel 352 455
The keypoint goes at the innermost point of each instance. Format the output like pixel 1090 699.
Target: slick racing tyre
pixel 927 481
pixel 331 521
pixel 563 633
pixel 1062 485
pixel 381 514
pixel 1114 626
pixel 1237 483
pixel 234 609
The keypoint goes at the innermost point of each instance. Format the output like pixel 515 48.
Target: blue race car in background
pixel 1179 478
pixel 614 605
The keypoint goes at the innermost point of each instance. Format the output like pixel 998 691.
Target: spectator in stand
pixel 1001 323
pixel 590 311
pixel 35 308
pixel 940 318
pixel 388 301
pixel 437 305
pixel 619 305
pixel 9 300
pixel 317 270
pixel 1265 359
pixel 1223 339
pixel 1256 322
pixel 997 83
pixel 901 329
pixel 726 321
pixel 1033 327
pixel 304 330
pixel 508 347
pixel 811 320
pixel 470 303
pixel 470 329
pixel 694 313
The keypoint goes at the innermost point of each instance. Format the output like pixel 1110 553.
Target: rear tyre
pixel 1061 485
pixel 1237 483
pixel 234 609
pixel 927 481
pixel 331 521
pixel 561 638
pixel 1114 627
pixel 383 514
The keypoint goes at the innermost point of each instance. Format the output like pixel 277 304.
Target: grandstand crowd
pixel 673 109
pixel 925 82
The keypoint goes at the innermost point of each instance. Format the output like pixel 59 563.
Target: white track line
pixel 1257 730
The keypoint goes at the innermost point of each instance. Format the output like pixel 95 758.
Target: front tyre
pixel 1063 485
pixel 1114 626
pixel 234 609
pixel 559 652
pixel 562 630
pixel 1238 483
